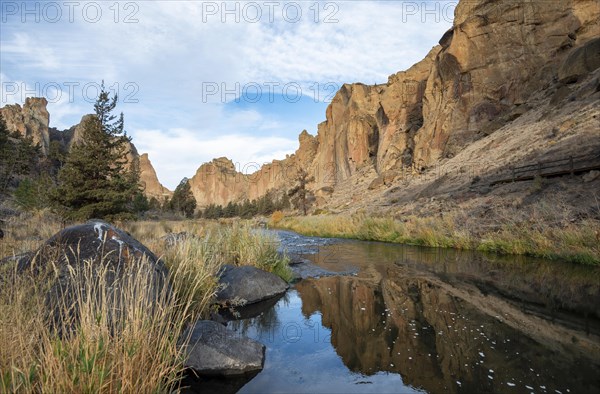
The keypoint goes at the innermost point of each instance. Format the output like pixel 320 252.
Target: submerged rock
pixel 214 350
pixel 247 285
pixel 307 269
pixel 247 311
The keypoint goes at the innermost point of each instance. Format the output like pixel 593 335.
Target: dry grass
pixel 532 236
pixel 114 341
pixel 127 344
pixel 214 244
pixel 27 231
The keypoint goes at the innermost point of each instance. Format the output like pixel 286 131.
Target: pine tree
pixel 301 196
pixel 96 180
pixel 230 210
pixel 183 200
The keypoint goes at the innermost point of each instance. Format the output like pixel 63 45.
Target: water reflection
pixel 300 356
pixel 568 293
pixel 428 320
pixel 434 340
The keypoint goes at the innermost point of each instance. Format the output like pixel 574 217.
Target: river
pixel 403 319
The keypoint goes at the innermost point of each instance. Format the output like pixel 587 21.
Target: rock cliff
pixel 501 61
pixel 149 180
pixel 485 98
pixel 30 121
pixel 219 181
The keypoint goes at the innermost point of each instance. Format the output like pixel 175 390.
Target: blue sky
pixel 199 80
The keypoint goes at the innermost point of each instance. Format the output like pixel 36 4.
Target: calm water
pixel 424 320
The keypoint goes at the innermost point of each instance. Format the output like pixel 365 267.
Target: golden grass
pixel 106 341
pixel 119 344
pixel 230 242
pixel 26 232
pixel 575 243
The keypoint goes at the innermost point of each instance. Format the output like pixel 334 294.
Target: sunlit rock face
pixel 496 55
pixel 480 77
pixel 149 179
pixel 217 182
pixel 30 121
pixel 221 180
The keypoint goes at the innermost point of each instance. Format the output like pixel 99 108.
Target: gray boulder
pixel 109 249
pixel 248 285
pixel 213 350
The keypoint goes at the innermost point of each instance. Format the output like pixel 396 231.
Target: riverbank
pixel 573 242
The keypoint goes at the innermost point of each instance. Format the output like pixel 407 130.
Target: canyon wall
pixel 478 79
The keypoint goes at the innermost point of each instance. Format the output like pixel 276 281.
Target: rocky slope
pixel 32 120
pixel 501 77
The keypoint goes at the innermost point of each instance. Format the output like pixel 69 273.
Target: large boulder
pixel 101 252
pixel 248 285
pixel 214 350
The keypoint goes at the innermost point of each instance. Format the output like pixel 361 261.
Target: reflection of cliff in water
pixel 568 293
pixel 437 340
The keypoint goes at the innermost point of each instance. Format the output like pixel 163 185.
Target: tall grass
pixel 117 341
pixel 26 232
pixel 214 244
pixel 111 336
pixel 575 243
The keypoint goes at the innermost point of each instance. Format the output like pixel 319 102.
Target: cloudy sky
pixel 201 79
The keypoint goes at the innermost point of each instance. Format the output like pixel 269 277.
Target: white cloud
pixel 176 46
pixel 188 146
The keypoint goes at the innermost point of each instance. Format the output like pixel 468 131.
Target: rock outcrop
pixel 149 179
pixel 480 77
pixel 580 62
pixel 218 182
pixel 30 121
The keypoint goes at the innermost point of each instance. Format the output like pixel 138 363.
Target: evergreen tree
pixel 301 196
pixel 96 180
pixel 34 192
pixel 183 200
pixel 229 210
pixel 284 202
pixel 140 203
pixel 154 204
